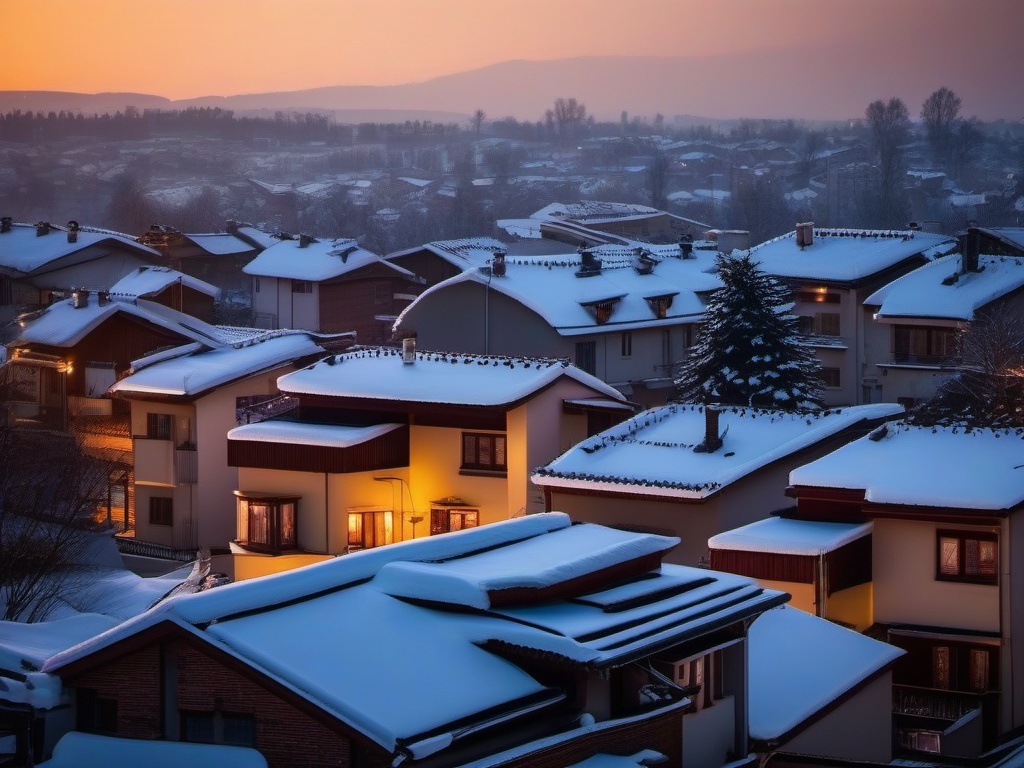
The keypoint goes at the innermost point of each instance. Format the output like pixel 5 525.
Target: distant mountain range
pixel 811 82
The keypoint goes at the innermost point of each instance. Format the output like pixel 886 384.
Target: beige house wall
pixel 906 590
pixel 290 310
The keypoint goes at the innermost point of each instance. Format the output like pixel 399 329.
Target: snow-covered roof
pixel 653 453
pixel 221 243
pixel 932 291
pixel 26 646
pixel 63 325
pixel 149 281
pixel 981 469
pixel 642 758
pixel 196 370
pixel 783 536
pixel 297 627
pixel 319 260
pixel 549 286
pixel 378 373
pixel 844 255
pixel 22 250
pixel 464 253
pixel 594 211
pixel 258 236
pixel 799 664
pixel 302 433
pixel 1012 236
pixel 89 750
pixel 526 228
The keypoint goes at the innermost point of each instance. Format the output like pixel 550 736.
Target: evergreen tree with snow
pixel 748 351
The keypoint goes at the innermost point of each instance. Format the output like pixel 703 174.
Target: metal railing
pixel 267 409
pixel 129 546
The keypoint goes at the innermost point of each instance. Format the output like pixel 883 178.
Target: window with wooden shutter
pixel 967 556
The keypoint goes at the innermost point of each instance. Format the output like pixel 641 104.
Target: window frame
pixel 827 382
pixel 962 576
pixel 441 519
pixel 626 343
pixel 275 541
pixel 159 426
pixel 304 287
pixel 161 513
pixel 491 467
pixel 585 356
pixel 353 532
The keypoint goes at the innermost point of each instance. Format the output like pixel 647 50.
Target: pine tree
pixel 748 351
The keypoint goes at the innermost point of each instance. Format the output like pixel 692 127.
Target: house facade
pixel 932 512
pixel 328 286
pixel 278 665
pixel 626 315
pixel 692 471
pixel 387 446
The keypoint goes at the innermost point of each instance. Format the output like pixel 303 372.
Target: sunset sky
pixel 186 48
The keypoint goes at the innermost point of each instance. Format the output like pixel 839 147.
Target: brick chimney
pixel 970 246
pixel 73 231
pixel 498 264
pixel 805 234
pixel 305 240
pixel 712 440
pixel 409 350
pixel 686 246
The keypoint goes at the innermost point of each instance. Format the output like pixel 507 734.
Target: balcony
pixel 953 723
pixel 926 361
pixel 823 341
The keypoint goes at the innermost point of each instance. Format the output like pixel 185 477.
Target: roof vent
pixel 805 234
pixel 686 246
pixel 409 350
pixel 5 224
pixel 102 298
pixel 305 240
pixel 79 298
pixel 590 265
pixel 498 265
pixel 73 231
pixel 42 228
pixel 644 264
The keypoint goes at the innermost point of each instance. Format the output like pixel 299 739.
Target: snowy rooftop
pixel 592 211
pixel 221 243
pixel 549 286
pixel 378 373
pixel 22 250
pixel 982 469
pixel 300 433
pixel 258 236
pixel 925 292
pixel 196 370
pixel 1012 236
pixel 464 253
pixel 296 626
pixel 844 255
pixel 783 536
pixel 653 452
pixel 318 261
pixel 645 757
pixel 149 281
pixel 63 325
pixel 800 664
pixel 89 750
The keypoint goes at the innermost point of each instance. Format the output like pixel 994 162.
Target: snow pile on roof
pixel 88 750
pixel 300 433
pixel 843 254
pixel 524 228
pixel 63 325
pixel 800 664
pixel 653 452
pixel 221 243
pixel 550 286
pixel 940 290
pixel 594 211
pixel 954 467
pixel 195 370
pixel 297 627
pixel 783 536
pixel 317 261
pixel 22 250
pixel 27 646
pixel 644 757
pixel 258 236
pixel 464 253
pixel 541 562
pixel 149 281
pixel 378 373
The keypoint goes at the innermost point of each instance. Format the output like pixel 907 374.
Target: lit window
pixel 483 452
pixel 370 529
pixel 268 524
pixel 446 520
pixel 971 557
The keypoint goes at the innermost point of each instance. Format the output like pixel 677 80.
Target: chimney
pixel 712 441
pixel 409 350
pixel 73 231
pixel 231 226
pixel 914 226
pixel 42 228
pixel 730 240
pixel 498 264
pixel 805 234
pixel 102 298
pixel 305 240
pixel 970 245
pixel 644 264
pixel 5 224
pixel 590 265
pixel 79 298
pixel 686 246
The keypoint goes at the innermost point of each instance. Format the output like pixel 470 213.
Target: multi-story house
pixel 183 403
pixel 167 286
pixel 387 446
pixel 693 471
pixel 832 272
pixel 914 531
pixel 919 319
pixel 626 315
pixel 329 286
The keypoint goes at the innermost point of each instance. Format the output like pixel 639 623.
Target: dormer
pixel 601 308
pixel 661 304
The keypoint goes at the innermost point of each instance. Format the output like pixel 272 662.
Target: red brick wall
pixel 134 682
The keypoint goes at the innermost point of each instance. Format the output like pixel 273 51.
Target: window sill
pixel 483 472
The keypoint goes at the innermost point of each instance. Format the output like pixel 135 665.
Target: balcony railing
pixel 266 409
pixel 937 361
pixel 936 703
